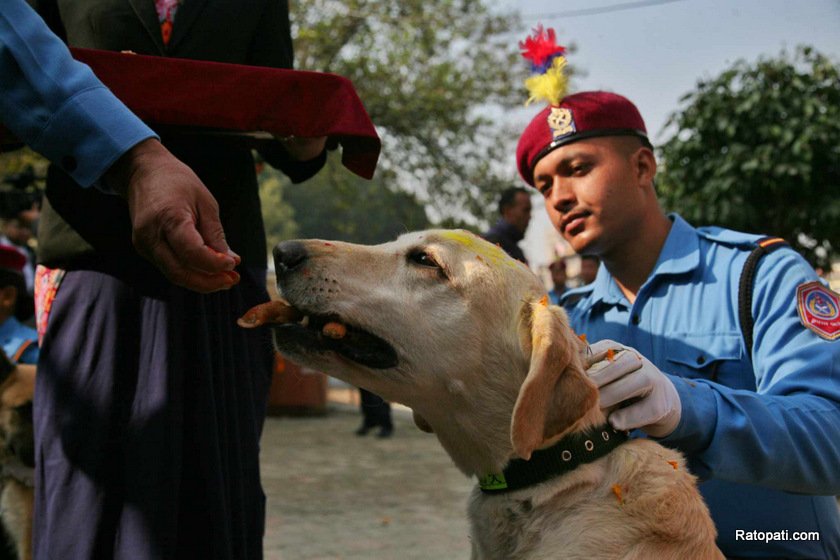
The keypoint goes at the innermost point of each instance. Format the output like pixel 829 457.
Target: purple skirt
pixel 148 411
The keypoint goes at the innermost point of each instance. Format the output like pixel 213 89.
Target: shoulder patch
pixel 819 309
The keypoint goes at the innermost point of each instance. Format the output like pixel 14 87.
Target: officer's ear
pixel 644 165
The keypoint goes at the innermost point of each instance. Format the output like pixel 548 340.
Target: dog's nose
pixel 288 255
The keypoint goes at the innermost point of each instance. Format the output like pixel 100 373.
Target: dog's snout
pixel 288 255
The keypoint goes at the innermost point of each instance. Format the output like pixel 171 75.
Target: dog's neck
pixel 477 436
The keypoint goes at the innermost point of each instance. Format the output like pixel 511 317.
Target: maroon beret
pixel 11 259
pixel 583 115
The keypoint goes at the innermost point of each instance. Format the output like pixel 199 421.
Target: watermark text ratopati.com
pixel 769 536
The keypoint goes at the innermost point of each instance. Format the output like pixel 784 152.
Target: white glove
pixel 651 402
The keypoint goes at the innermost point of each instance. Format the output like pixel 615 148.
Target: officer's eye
pixel 580 169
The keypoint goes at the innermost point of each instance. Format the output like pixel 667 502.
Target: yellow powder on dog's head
pixel 487 252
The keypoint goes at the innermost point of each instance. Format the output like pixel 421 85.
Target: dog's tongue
pixel 277 311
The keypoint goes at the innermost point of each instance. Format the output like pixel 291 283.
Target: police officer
pixel 757 416
pixel 19 342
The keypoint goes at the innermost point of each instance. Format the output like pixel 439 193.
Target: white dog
pixel 451 326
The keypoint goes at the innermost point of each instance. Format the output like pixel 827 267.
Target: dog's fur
pixel 495 373
pixel 17 459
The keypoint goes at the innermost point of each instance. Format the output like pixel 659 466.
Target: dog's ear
pixel 556 393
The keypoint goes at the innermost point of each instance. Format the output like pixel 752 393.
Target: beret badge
pixel 560 122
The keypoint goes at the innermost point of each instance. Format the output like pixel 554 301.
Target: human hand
pixel 650 400
pixel 303 149
pixel 174 218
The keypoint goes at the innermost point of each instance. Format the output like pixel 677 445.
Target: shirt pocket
pixel 718 358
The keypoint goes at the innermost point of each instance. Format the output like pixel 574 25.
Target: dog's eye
pixel 422 258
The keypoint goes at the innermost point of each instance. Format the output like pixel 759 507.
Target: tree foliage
pixel 22 180
pixel 434 77
pixel 337 205
pixel 757 149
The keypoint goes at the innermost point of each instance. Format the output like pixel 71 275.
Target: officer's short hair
pixel 508 198
pixel 559 263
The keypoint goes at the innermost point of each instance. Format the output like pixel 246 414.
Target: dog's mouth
pixel 295 331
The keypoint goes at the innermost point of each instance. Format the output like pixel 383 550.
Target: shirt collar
pixel 680 254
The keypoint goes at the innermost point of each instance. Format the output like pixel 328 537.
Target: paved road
pixel 333 495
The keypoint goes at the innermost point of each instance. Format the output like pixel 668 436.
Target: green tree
pixel 758 149
pixel 434 77
pixel 278 214
pixel 337 205
pixel 22 180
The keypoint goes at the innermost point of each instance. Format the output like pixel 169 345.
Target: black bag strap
pixel 745 286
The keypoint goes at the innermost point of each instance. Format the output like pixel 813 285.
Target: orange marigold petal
pixel 544 300
pixel 674 464
pixel 616 488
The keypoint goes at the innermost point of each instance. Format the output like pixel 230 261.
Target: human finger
pixel 626 388
pixel 597 351
pixel 170 263
pixel 607 370
pixel 194 252
pixel 637 415
pixel 209 227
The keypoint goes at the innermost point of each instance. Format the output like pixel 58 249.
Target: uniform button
pixel 69 163
pixel 701 360
pixel 636 319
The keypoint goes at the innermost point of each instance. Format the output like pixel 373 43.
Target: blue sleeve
pixel 55 104
pixel 786 434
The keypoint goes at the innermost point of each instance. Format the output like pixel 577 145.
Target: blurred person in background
pixel 588 269
pixel 19 342
pixel 514 217
pixel 376 413
pixel 558 280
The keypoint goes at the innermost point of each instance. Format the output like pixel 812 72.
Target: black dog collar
pixel 563 457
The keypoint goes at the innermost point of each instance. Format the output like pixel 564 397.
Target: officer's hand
pixel 174 218
pixel 649 401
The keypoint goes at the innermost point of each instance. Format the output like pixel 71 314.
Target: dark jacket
pixel 508 238
pixel 83 228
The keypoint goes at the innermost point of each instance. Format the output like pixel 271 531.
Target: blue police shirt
pixel 14 337
pixel 55 104
pixel 762 431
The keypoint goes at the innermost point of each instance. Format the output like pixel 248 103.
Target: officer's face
pixel 593 191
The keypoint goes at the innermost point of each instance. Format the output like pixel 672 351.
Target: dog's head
pixel 433 315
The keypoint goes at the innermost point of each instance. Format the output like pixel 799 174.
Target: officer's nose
pixel 288 255
pixel 562 198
